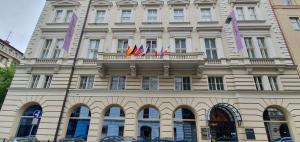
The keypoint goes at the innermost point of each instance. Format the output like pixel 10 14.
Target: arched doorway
pixel 276 125
pixel 113 122
pixel 185 125
pixel 222 123
pixel 26 125
pixel 148 124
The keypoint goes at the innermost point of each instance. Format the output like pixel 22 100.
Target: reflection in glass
pixel 113 124
pixel 148 124
pixel 185 125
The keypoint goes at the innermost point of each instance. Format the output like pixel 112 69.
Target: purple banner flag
pixel 236 31
pixel 70 32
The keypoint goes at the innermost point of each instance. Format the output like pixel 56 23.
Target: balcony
pixel 191 61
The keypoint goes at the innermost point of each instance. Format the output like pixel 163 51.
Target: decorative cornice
pixel 205 2
pixel 96 30
pixel 178 2
pixel 65 3
pixel 129 3
pixel 152 3
pixel 152 29
pixel 180 29
pixel 209 28
pixel 123 29
pixel 244 1
pixel 102 3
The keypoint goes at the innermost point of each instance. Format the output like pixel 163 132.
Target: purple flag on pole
pixel 70 32
pixel 236 31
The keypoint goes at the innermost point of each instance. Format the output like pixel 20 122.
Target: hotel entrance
pixel 222 123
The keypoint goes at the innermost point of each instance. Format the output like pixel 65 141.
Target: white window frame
pixel 57 18
pixel 93 48
pixel 182 88
pixel 250 47
pixel 47 81
pixel 89 82
pixel 210 49
pixel 126 15
pixel 152 17
pixel 177 15
pixel 273 83
pixel 240 13
pixel 252 14
pixel 118 85
pixel 152 44
pixel 148 84
pixel 46 48
pixel 182 45
pixel 258 80
pixel 218 86
pixel 204 16
pixel 295 22
pixel 57 49
pixel 261 41
pixel 34 83
pixel 122 45
pixel 68 16
pixel 100 16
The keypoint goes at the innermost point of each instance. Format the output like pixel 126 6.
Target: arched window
pixel 79 123
pixel 148 124
pixel 27 126
pixel 113 123
pixel 185 125
pixel 276 124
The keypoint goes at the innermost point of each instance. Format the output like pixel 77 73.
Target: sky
pixel 19 17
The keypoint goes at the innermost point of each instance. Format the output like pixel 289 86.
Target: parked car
pixel 25 139
pixel 72 140
pixel 284 139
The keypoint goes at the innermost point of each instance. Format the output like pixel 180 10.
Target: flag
pixel 129 51
pixel 70 32
pixel 147 51
pixel 141 50
pixel 137 52
pixel 231 18
pixel 155 53
pixel 161 52
pixel 134 50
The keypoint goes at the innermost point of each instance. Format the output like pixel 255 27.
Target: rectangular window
pixel 122 45
pixel 35 81
pixel 152 15
pixel 126 16
pixel 86 82
pixel 46 48
pixel 178 15
pixel 150 83
pixel 240 13
pixel 182 83
pixel 146 113
pixel 152 44
pixel 250 133
pixel 258 83
pixel 121 131
pixel 211 50
pixel 180 46
pixel 295 22
pixel 215 83
pixel 118 83
pixel 273 83
pixel 252 14
pixel 47 81
pixel 93 48
pixel 286 2
pixel 68 16
pixel 249 46
pixel 262 47
pixel 58 16
pixel 100 16
pixel 206 14
pixel 57 49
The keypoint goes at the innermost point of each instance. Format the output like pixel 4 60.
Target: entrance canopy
pixel 232 112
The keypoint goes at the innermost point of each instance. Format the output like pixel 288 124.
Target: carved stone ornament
pixel 102 3
pixel 66 3
pixel 101 70
pixel 133 70
pixel 129 3
pixel 179 2
pixel 152 3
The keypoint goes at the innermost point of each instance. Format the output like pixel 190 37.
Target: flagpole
pixel 72 72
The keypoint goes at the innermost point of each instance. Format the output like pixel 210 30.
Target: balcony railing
pixel 262 61
pixel 46 61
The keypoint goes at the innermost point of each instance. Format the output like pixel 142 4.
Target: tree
pixel 6 76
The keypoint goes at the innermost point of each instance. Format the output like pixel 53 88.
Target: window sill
pixel 125 23
pixel 178 23
pixel 251 21
pixel 57 23
pixel 152 23
pixel 208 22
pixel 98 24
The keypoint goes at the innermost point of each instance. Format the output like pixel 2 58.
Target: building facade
pixel 204 89
pixel 9 54
pixel 288 14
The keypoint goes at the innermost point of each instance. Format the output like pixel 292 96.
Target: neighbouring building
pixel 204 89
pixel 9 54
pixel 288 16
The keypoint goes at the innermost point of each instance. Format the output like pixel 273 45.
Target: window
pixel 100 16
pixel 286 2
pixel 252 14
pixel 273 83
pixel 295 22
pixel 47 81
pixel 93 48
pixel 182 83
pixel 68 16
pixel 211 50
pixel 240 13
pixel 148 124
pixel 180 46
pixel 26 128
pixel 86 82
pixel 126 16
pixel 215 83
pixel 152 15
pixel 113 123
pixel 152 44
pixel 118 83
pixel 35 81
pixel 249 46
pixel 46 48
pixel 258 83
pixel 122 45
pixel 262 47
pixel 184 124
pixel 178 15
pixel 206 14
pixel 58 47
pixel 58 16
pixel 150 83
pixel 79 123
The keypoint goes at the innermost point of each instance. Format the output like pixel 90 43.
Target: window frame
pixel 126 15
pixel 258 80
pixel 177 15
pixel 57 48
pixel 34 82
pixel 152 17
pixel 93 50
pixel 118 85
pixel 250 47
pixel 100 18
pixel 184 86
pixel 46 48
pixel 295 22
pixel 206 18
pixel 149 83
pixel 151 43
pixel 87 85
pixel 122 43
pixel 213 51
pixel 182 45
pixel 215 83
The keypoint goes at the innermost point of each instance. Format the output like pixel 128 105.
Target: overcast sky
pixel 20 17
